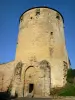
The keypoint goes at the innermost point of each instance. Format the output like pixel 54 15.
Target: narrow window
pixel 21 19
pixel 51 33
pixel 37 11
pixel 31 17
pixel 58 16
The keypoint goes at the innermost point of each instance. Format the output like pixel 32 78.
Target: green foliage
pixel 55 91
pixel 70 75
pixel 68 90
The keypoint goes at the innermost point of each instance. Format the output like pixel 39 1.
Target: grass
pixel 67 90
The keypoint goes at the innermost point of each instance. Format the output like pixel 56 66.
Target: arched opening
pixel 29 82
pixel 37 80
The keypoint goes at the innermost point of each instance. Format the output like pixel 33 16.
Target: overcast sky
pixel 10 11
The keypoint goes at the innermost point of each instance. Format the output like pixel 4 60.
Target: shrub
pixel 71 75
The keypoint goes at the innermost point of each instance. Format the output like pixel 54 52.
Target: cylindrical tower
pixel 41 36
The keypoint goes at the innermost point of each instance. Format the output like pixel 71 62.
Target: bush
pixel 71 75
pixel 68 90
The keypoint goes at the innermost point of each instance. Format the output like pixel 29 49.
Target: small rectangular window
pixel 51 33
pixel 37 11
pixel 51 36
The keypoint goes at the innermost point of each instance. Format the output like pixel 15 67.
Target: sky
pixel 10 12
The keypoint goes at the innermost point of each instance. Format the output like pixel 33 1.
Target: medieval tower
pixel 41 60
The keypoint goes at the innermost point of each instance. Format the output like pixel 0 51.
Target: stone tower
pixel 41 58
pixel 41 46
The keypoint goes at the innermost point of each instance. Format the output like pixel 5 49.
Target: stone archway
pixel 29 82
pixel 37 80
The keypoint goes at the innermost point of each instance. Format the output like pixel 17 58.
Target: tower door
pixel 31 87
